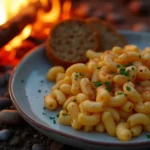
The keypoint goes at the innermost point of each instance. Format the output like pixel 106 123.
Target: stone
pixel 114 18
pixel 141 27
pixel 15 141
pixel 99 14
pixel 6 94
pixel 56 146
pixel 139 7
pixel 2 81
pixel 4 102
pixel 5 134
pixel 8 67
pixel 37 147
pixel 10 117
pixel 2 68
pixel 109 7
pixel 7 76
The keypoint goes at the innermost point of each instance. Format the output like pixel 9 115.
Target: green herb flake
pixel 125 94
pixel 76 76
pixel 128 88
pixel 139 56
pixel 41 81
pixel 39 91
pixel 107 83
pixel 97 84
pixel 126 73
pixel 98 67
pixel 81 74
pixel 133 76
pixel 57 115
pixel 54 121
pixel 108 89
pixel 118 66
pixel 22 81
pixel 64 114
pixel 51 117
pixel 120 93
pixel 58 88
pixel 148 136
pixel 112 72
pixel 44 108
pixel 74 100
pixel 132 68
pixel 123 71
pixel 43 113
pixel 130 64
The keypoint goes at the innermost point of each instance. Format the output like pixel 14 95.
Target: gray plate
pixel 28 86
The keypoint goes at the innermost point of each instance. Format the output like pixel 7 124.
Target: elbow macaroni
pixel 111 92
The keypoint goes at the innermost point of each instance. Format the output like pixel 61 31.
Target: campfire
pixel 27 23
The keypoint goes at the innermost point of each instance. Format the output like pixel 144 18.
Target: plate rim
pixel 55 131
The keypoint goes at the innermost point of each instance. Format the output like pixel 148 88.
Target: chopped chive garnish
pixel 44 108
pixel 74 100
pixel 132 68
pixel 108 89
pixel 22 81
pixel 76 76
pixel 81 74
pixel 118 66
pixel 64 114
pixel 57 115
pixel 133 76
pixel 148 136
pixel 43 113
pixel 123 71
pixel 128 88
pixel 97 84
pixel 51 117
pixel 54 121
pixel 107 83
pixel 39 91
pixel 130 64
pixel 139 56
pixel 120 93
pixel 98 67
pixel 126 73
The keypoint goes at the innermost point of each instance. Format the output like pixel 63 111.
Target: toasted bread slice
pixel 69 40
pixel 109 36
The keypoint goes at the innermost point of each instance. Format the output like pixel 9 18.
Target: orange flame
pixel 9 8
pixel 18 39
pixel 66 10
pixel 53 15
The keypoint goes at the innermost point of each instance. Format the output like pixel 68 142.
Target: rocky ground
pixel 15 133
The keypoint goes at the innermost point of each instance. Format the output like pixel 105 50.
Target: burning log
pixel 14 26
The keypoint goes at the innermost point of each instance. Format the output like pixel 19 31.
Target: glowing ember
pixel 9 8
pixel 66 10
pixel 53 15
pixel 18 39
pixel 41 26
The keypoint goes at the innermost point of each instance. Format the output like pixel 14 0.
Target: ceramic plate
pixel 28 86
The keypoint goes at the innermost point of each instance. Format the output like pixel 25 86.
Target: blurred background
pixel 25 24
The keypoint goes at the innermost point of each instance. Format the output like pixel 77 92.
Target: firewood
pixel 15 25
